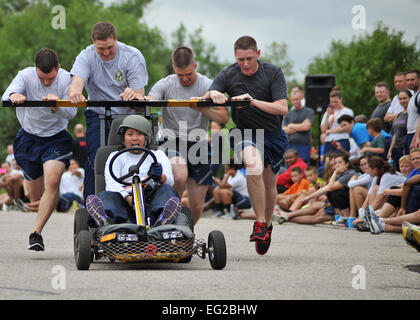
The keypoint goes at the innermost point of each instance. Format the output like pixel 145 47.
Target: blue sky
pixel 308 27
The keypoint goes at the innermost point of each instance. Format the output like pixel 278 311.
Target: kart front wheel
pixel 217 250
pixel 83 250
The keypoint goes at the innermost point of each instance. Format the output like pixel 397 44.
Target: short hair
pixel 383 84
pixel 361 118
pixel 311 168
pixel 414 150
pixel 345 117
pixel 416 71
pixel 296 169
pixel 399 74
pixel 291 150
pixel 335 92
pixel 408 92
pixel 405 158
pixel 375 124
pixel 182 57
pixel 299 87
pixel 46 60
pixel 245 43
pixel 103 30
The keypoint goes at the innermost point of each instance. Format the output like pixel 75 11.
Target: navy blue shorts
pixel 240 201
pixel 31 152
pixel 196 154
pixel 271 145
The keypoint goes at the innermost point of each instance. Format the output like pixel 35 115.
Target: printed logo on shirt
pixel 119 76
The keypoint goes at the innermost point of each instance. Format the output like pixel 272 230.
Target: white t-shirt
pixel 395 107
pixel 333 123
pixel 238 183
pixel 179 121
pixel 412 114
pixel 106 80
pixel 70 183
pixel 41 121
pixel 126 160
pixel 388 180
pixel 363 180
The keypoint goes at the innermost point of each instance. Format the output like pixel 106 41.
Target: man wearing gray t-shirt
pixel 297 124
pixel 110 70
pixel 185 129
pixel 42 147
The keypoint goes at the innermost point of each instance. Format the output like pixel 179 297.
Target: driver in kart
pixel 114 205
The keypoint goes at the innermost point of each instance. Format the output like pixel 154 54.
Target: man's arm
pixel 217 114
pixel 276 107
pixel 76 90
pixel 304 126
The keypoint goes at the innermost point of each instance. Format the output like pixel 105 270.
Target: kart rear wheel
pixel 217 250
pixel 83 250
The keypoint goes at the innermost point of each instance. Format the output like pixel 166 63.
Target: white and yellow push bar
pixel 132 103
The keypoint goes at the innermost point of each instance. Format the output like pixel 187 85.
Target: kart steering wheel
pixel 134 169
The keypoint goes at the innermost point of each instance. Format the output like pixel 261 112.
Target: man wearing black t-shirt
pixel 265 86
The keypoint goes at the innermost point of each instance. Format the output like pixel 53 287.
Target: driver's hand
pixel 156 171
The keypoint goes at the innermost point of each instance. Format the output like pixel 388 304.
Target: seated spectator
pixel 330 128
pixel 384 177
pixel 12 182
pixel 284 180
pixel 71 187
pixel 393 201
pixel 231 192
pixel 300 184
pixel 297 125
pixel 410 198
pixel 358 188
pixel 312 176
pixel 337 194
pixel 377 146
pixel 399 127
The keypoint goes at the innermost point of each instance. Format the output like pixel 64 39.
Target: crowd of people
pixel 366 177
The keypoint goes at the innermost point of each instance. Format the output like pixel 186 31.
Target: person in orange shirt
pixel 286 199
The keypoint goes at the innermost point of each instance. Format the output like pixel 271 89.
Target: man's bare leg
pixel 180 172
pixel 255 182
pixel 52 175
pixel 196 196
pixel 269 178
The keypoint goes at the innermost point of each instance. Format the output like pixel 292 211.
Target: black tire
pixel 217 250
pixel 188 212
pixel 80 221
pixel 83 250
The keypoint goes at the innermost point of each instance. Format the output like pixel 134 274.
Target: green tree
pixel 204 52
pixel 276 54
pixel 364 61
pixel 27 28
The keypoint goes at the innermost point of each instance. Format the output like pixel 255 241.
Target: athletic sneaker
pixel 259 232
pixel 340 222
pixel 262 246
pixel 234 212
pixel 21 205
pixel 95 208
pixel 376 224
pixel 411 235
pixel 171 210
pixel 35 242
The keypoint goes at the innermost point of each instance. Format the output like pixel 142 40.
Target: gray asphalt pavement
pixel 304 262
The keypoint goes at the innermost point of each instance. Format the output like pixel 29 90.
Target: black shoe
pixel 35 242
pixel 262 246
pixel 259 232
